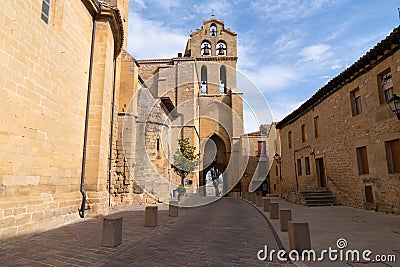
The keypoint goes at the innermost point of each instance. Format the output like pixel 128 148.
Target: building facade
pixel 85 126
pixel 346 138
pixel 54 138
pixel 197 89
pixel 258 161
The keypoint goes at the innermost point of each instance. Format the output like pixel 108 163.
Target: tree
pixel 215 174
pixel 185 159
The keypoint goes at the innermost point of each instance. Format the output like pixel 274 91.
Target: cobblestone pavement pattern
pixel 228 232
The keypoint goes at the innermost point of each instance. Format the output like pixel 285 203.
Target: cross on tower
pixel 212 13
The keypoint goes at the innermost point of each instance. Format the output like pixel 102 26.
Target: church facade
pixel 85 126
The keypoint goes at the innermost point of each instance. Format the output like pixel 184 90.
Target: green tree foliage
pixel 185 159
pixel 215 174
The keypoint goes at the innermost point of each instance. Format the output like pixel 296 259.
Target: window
pixel 222 78
pixel 299 171
pixel 221 48
pixel 45 11
pixel 213 30
pixel 355 98
pixel 262 148
pixel 203 85
pixel 290 139
pixel 385 85
pixel 158 143
pixel 303 133
pixel 393 155
pixel 362 160
pixel 276 170
pixel 316 126
pixel 205 48
pixel 369 196
pixel 307 162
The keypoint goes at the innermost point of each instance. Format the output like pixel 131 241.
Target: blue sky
pixel 288 48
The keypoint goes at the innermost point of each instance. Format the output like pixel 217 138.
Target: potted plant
pixel 181 192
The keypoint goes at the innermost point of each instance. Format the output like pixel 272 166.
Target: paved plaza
pixel 228 232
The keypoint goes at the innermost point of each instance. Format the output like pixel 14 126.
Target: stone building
pixel 85 126
pixel 198 91
pixel 54 138
pixel 345 137
pixel 260 171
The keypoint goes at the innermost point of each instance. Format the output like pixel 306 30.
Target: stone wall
pixel 45 71
pixel 341 133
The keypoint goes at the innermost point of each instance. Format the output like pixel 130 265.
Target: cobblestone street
pixel 228 232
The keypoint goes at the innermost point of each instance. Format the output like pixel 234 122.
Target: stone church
pixel 85 126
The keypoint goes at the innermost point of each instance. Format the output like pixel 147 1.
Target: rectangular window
pixel 45 11
pixel 299 171
pixel 385 84
pixel 369 196
pixel 355 98
pixel 316 126
pixel 362 160
pixel 393 155
pixel 290 139
pixel 303 133
pixel 158 144
pixel 262 149
pixel 276 170
pixel 307 162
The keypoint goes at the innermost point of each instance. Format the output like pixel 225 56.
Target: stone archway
pixel 214 155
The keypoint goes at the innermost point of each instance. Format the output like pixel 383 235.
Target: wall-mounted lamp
pixel 394 104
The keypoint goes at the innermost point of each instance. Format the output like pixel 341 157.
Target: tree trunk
pixel 216 188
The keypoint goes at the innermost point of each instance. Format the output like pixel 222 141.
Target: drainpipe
pixel 111 133
pixel 82 186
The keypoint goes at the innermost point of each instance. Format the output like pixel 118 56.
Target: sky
pixel 288 48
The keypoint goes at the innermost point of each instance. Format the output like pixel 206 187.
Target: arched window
pixel 221 48
pixel 205 48
pixel 222 79
pixel 203 86
pixel 213 30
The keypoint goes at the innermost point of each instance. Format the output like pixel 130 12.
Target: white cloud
pixel 169 4
pixel 290 9
pixel 220 8
pixel 318 53
pixel 282 108
pixel 140 3
pixel 153 39
pixel 284 43
pixel 274 78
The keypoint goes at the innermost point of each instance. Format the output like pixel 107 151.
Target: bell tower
pixel 214 49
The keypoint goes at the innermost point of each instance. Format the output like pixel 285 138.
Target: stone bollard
pixel 151 216
pixel 253 198
pixel 284 217
pixel 173 208
pixel 243 196
pixel 112 232
pixel 274 210
pixel 259 200
pixel 299 236
pixel 248 196
pixel 265 202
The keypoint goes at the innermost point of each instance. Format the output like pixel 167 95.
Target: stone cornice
pixel 101 10
pixel 214 58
